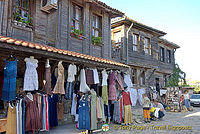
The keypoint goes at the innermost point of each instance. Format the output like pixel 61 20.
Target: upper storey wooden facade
pixel 139 45
pixel 82 26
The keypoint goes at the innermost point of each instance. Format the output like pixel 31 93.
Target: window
pixel 135 42
pixel 147 46
pixel 162 54
pixel 22 10
pixel 96 26
pixel 134 76
pixel 168 56
pixel 117 38
pixel 77 22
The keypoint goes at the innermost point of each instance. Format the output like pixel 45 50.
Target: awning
pixel 11 44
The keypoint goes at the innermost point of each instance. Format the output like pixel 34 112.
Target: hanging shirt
pixel 105 78
pixel 96 76
pixel 72 70
pixel 126 98
pixel 127 80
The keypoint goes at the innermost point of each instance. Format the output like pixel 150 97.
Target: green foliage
pixel 77 33
pixel 97 40
pixel 17 16
pixel 177 78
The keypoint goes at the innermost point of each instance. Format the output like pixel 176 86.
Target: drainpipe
pixel 127 43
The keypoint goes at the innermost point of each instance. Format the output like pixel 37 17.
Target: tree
pixel 177 78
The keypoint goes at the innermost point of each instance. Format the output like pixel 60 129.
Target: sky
pixel 180 19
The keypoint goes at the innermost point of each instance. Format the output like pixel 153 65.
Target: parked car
pixel 195 100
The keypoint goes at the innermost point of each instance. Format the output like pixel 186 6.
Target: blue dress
pixel 84 113
pixel 53 118
pixel 9 84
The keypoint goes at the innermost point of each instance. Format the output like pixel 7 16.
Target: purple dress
pixel 112 89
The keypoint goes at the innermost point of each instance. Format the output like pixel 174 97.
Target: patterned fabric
pixel 59 87
pixel 112 88
pixel 119 81
pixel 60 108
pixel 47 77
pixel 9 84
pixel 126 98
pixel 31 77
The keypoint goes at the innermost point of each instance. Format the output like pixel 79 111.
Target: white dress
pixel 83 85
pixel 31 76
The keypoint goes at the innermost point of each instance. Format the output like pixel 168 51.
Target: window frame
pixel 142 78
pixel 133 42
pixel 162 54
pixel 74 19
pixel 149 45
pixel 94 27
pixel 169 57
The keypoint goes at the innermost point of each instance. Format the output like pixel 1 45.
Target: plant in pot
pixel 97 41
pixel 76 33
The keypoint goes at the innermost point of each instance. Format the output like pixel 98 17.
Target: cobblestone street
pixel 191 119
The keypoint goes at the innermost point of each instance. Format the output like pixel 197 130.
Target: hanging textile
pixel 32 120
pixel 45 113
pixel 96 76
pixel 102 109
pixel 9 84
pixel 94 110
pixel 119 81
pixel 140 93
pixel 105 87
pixel 127 80
pixel 133 95
pixel 1 82
pixel 11 121
pixel 74 104
pixel 31 75
pixel 127 107
pixel 47 77
pixel 23 115
pixel 84 113
pixel 53 118
pixel 116 113
pixel 89 77
pixel 19 116
pixel 83 86
pixel 72 70
pixel 60 109
pixel 112 88
pixel 59 87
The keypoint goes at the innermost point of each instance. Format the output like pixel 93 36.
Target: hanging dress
pixel 47 86
pixel 9 83
pixel 32 120
pixel 59 87
pixel 112 88
pixel 31 76
pixel 83 85
pixel 11 121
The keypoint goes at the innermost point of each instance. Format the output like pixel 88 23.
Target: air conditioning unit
pixel 48 5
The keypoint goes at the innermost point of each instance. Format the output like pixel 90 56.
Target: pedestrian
pixel 160 111
pixel 186 100
pixel 146 107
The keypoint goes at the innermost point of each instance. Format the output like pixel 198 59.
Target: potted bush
pixel 97 41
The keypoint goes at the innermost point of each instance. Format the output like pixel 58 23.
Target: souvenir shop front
pixel 35 80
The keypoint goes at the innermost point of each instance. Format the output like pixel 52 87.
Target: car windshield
pixel 195 97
